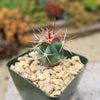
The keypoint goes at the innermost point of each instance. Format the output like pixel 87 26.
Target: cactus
pixel 50 47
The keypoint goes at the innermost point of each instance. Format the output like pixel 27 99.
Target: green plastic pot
pixel 29 91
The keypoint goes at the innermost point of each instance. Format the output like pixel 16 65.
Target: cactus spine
pixel 50 47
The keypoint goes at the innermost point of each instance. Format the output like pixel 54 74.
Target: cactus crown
pixel 50 46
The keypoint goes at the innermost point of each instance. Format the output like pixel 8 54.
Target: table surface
pixel 88 88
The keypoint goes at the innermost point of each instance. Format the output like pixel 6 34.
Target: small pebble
pixel 41 77
pixel 57 68
pixel 12 67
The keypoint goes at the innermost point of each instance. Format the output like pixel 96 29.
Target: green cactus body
pixel 49 53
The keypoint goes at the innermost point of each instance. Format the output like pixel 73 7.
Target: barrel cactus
pixel 50 46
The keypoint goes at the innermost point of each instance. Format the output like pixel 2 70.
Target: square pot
pixel 30 91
